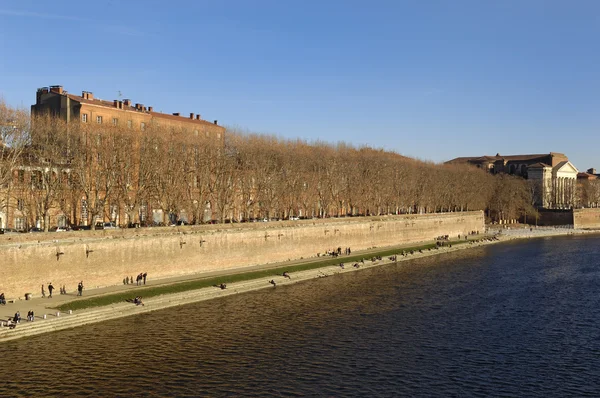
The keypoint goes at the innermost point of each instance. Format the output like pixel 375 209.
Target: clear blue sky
pixel 428 79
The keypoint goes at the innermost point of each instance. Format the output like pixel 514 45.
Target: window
pixel 20 204
pixel 142 211
pixel 19 224
pixel 61 220
pixel 84 117
pixel 218 135
pixel 207 134
pixel 99 119
pixel 143 126
pixel 84 210
pixel 129 124
pixel 113 212
pixel 115 121
pixel 36 180
pixel 195 133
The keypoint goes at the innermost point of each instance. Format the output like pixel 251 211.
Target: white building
pixel 554 187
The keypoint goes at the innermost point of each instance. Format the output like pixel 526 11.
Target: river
pixel 514 319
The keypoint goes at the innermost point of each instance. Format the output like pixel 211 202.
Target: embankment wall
pixel 586 218
pixel 555 217
pixel 103 258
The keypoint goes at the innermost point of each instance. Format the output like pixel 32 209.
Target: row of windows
pixel 115 122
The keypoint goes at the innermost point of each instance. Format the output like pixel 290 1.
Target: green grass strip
pixel 195 284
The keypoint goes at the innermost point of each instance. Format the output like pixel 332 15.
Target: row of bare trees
pixel 90 172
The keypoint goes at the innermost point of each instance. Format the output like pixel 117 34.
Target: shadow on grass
pixel 180 287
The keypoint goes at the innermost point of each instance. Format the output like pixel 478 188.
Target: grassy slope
pixel 212 281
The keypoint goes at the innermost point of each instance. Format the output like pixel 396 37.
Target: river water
pixel 515 319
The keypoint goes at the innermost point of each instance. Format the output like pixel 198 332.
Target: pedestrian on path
pixel 43 292
pixel 144 275
pixel 50 289
pixel 80 289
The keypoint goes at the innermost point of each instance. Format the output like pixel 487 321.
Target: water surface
pixel 518 319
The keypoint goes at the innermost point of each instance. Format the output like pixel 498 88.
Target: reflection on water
pixel 514 319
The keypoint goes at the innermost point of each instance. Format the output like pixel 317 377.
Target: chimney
pixel 176 114
pixel 84 94
pixel 138 106
pixel 192 116
pixel 215 122
pixel 90 95
pixel 116 104
pixel 143 108
pixel 198 117
pixel 120 104
pixel 127 102
pixel 40 92
pixel 150 109
pixel 56 89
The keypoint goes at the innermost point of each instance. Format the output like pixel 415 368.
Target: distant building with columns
pixel 553 178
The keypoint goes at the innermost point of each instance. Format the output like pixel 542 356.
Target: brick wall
pixel 29 260
pixel 586 218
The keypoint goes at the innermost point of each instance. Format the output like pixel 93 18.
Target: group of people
pixel 140 279
pixel 50 290
pixel 336 252
pixel 62 289
pixel 16 319
pixel 2 299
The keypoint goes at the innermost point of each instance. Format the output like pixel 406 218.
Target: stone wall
pixel 554 217
pixel 586 218
pixel 102 258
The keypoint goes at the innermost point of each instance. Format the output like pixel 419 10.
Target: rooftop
pixel 87 97
pixel 508 158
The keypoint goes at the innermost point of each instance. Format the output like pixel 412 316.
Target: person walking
pixel 43 292
pixel 50 289
pixel 144 275
pixel 80 289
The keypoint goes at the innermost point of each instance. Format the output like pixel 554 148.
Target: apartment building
pixel 86 108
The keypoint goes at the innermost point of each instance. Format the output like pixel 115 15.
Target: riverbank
pixel 49 319
pixel 527 232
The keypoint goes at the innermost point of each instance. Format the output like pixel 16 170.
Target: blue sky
pixel 428 79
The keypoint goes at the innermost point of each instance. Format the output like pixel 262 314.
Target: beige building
pixel 88 109
pixel 553 178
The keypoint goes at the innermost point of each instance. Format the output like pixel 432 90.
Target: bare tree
pixel 14 138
